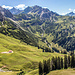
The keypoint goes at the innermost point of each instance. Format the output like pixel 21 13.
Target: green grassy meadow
pixel 63 72
pixel 24 56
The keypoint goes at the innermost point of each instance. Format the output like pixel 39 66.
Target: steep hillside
pixel 10 28
pixel 5 12
pixel 1 17
pixel 24 56
pixel 24 16
pixel 60 31
pixel 64 33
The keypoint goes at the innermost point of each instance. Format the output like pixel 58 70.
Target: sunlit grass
pixel 62 72
pixel 24 56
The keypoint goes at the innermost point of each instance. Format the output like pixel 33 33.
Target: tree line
pixel 56 63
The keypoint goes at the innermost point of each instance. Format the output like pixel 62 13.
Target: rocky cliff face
pixel 15 11
pixel 5 12
pixel 43 13
pixel 1 17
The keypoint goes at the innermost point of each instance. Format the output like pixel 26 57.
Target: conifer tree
pixel 58 63
pixel 53 63
pixel 40 68
pixel 65 62
pixel 72 52
pixel 68 59
pixel 72 61
pixel 61 62
pixel 45 67
pixel 48 65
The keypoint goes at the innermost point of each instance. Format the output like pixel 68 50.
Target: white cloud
pixel 21 6
pixel 7 7
pixel 64 13
pixel 45 7
pixel 69 9
pixel 74 10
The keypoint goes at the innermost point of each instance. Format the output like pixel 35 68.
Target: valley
pixel 34 34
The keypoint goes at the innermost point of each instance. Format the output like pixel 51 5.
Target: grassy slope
pixel 49 37
pixel 63 72
pixel 24 57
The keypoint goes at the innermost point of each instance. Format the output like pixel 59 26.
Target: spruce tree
pixel 58 63
pixel 68 59
pixel 72 61
pixel 53 63
pixel 45 67
pixel 40 68
pixel 65 62
pixel 61 62
pixel 48 65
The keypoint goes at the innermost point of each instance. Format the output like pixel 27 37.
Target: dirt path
pixel 47 43
pixel 43 36
pixel 30 30
pixel 43 31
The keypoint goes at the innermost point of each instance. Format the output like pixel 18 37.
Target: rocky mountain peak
pixel 15 11
pixel 5 12
pixel 70 14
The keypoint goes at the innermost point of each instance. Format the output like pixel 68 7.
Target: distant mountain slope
pixel 5 12
pixel 1 17
pixel 27 10
pixel 24 16
pixel 41 29
pixel 62 31
pixel 11 28
pixel 15 11
pixel 70 14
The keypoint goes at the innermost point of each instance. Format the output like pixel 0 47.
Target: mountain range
pixel 34 34
pixel 39 10
pixel 43 13
pixel 5 12
pixel 39 21
pixel 15 11
pixel 70 14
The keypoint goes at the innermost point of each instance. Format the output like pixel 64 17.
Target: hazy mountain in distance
pixel 27 10
pixel 70 14
pixel 43 13
pixel 15 11
pixel 5 12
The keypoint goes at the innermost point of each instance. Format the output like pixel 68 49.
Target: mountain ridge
pixel 70 14
pixel 15 11
pixel 5 12
pixel 49 25
pixel 43 13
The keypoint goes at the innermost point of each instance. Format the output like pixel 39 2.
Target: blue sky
pixel 59 6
